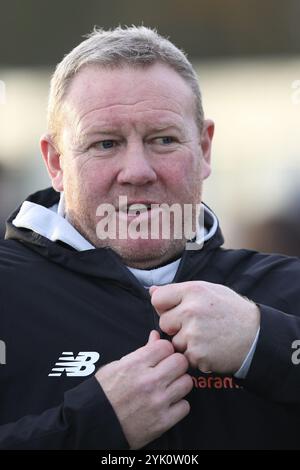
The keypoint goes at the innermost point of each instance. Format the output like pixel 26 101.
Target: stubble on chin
pixel 135 253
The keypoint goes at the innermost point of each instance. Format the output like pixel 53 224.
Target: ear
pixel 205 142
pixel 52 158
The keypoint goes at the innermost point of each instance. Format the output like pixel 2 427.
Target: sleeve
pixel 243 370
pixel 274 373
pixel 85 420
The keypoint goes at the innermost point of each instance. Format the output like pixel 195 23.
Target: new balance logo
pixel 80 366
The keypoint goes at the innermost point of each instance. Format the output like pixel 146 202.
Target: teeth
pixel 137 208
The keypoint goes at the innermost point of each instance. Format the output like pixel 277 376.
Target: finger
pixel 180 388
pixel 154 336
pixel 152 289
pixel 171 322
pixel 151 354
pixel 177 412
pixel 204 367
pixel 171 368
pixel 164 298
pixel 179 341
pixel 195 362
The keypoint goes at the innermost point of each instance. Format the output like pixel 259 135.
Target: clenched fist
pixel 154 383
pixel 211 324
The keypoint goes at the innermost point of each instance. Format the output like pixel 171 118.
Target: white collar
pixel 52 224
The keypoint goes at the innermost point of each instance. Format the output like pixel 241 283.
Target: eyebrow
pixel 95 130
pixel 167 127
pixel 100 131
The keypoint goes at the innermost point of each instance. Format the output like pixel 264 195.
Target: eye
pixel 164 140
pixel 105 144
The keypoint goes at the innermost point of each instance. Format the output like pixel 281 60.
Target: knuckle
pixel 178 344
pixel 146 386
pixel 157 400
pixel 197 286
pixel 190 310
pixel 155 381
pixel 155 298
pixel 192 358
pixel 166 346
pixel 194 334
pixel 163 322
pixel 163 346
pixel 204 366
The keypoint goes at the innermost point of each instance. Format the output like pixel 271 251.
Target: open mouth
pixel 137 209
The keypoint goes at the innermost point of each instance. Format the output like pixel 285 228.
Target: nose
pixel 136 168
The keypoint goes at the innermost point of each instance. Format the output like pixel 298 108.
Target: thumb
pixel 154 336
pixel 153 289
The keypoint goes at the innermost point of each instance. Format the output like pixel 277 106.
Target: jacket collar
pixel 37 223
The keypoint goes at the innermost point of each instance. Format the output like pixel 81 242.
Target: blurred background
pixel 247 55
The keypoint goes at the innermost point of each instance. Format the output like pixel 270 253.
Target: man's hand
pixel 212 325
pixel 146 389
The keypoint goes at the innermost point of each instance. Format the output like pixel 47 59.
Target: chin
pixel 144 254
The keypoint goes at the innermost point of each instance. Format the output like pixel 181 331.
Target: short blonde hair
pixel 122 46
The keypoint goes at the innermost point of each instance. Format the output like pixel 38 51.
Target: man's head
pixel 125 119
pixel 134 46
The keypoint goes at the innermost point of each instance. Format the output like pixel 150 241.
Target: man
pixel 116 339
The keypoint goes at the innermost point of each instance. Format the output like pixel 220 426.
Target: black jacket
pixel 55 299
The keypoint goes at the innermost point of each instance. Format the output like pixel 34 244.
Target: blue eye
pixel 165 140
pixel 107 144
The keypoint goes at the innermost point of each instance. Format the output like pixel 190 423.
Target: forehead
pixel 150 93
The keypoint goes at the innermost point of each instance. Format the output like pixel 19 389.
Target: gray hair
pixel 133 46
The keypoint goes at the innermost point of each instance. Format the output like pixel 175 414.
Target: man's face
pixel 129 132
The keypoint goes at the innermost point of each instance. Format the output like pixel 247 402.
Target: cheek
pixel 94 177
pixel 86 186
pixel 181 172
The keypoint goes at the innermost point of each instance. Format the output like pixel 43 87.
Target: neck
pixel 152 264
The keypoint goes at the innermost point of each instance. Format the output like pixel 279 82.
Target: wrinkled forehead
pixel 111 92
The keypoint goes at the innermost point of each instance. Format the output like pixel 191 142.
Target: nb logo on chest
pixel 80 366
